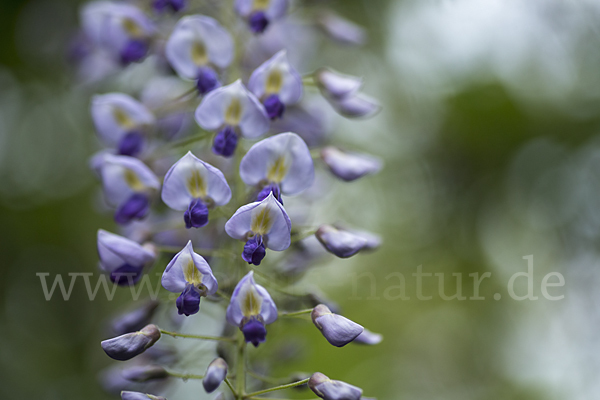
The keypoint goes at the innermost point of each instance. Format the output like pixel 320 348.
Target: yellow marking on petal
pixel 277 171
pixel 133 181
pixel 132 28
pixel 261 4
pixel 196 184
pixel 274 82
pixel 199 53
pixel 122 118
pixel 251 302
pixel 233 114
pixel 191 273
pixel 261 221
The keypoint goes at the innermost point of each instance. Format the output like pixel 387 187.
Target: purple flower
pixel 260 13
pixel 329 389
pixel 128 184
pixel 358 105
pixel 349 166
pixel 188 273
pixel 122 29
pixel 232 109
pixel 121 122
pixel 191 185
pixel 250 309
pixel 125 395
pixel 280 164
pixel 123 259
pixel 262 224
pixel 127 346
pixel 340 242
pixel 369 338
pixel 342 30
pixel 215 375
pixel 336 85
pixel 174 5
pixel 338 330
pixel 277 84
pixel 197 45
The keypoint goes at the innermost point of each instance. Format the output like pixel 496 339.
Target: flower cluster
pixel 197 168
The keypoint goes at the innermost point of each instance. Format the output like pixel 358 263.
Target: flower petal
pixel 350 166
pixel 115 251
pixel 188 267
pixel 250 299
pixel 340 242
pixel 277 76
pixel 123 176
pixel 336 85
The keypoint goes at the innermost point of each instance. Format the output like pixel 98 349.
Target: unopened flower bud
pixel 338 330
pixel 369 338
pixel 215 375
pixel 144 373
pixel 329 389
pixel 127 346
pixel 139 396
pixel 349 166
pixel 340 242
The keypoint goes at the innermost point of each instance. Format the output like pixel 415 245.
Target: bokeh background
pixel 490 136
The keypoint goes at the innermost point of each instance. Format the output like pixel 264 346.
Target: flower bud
pixel 215 375
pixel 139 396
pixel 340 242
pixel 335 85
pixel 342 30
pixel 338 330
pixel 369 338
pixel 144 373
pixel 349 166
pixel 329 389
pixel 127 346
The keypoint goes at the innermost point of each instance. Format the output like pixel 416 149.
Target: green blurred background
pixel 490 139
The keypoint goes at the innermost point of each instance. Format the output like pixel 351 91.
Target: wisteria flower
pixel 279 164
pixel 338 330
pixel 191 185
pixel 121 122
pixel 260 13
pixel 262 225
pixel 128 184
pixel 188 273
pixel 250 309
pixel 337 85
pixel 123 259
pixel 127 346
pixel 231 109
pixel 215 375
pixel 329 389
pixel 340 242
pixel 349 166
pixel 277 84
pixel 197 45
pixel 342 30
pixel 121 28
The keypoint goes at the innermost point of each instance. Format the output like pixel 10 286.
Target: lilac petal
pixel 254 251
pixel 235 106
pixel 198 41
pixel 196 216
pixel 273 9
pixel 336 85
pixel 358 105
pixel 127 395
pixel 350 166
pixel 247 292
pixel 277 76
pixel 338 330
pixel 283 159
pixel 115 251
pixel 215 375
pixel 117 114
pixel 328 389
pixel 136 207
pixel 342 30
pixel 188 267
pixel 123 176
pixel 369 338
pixel 188 302
pixel 127 346
pixel 254 332
pixel 340 242
pixel 191 178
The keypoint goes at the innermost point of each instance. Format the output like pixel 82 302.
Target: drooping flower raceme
pixel 250 309
pixel 191 185
pixel 262 225
pixel 128 184
pixel 197 46
pixel 188 273
pixel 231 110
pixel 121 122
pixel 279 164
pixel 123 259
pixel 277 84
pixel 122 29
pixel 260 13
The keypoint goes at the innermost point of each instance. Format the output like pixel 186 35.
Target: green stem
pixel 266 379
pixel 294 313
pixel 185 376
pixel 189 140
pixel 201 337
pixel 303 235
pixel 228 383
pixel 241 368
pixel 289 385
